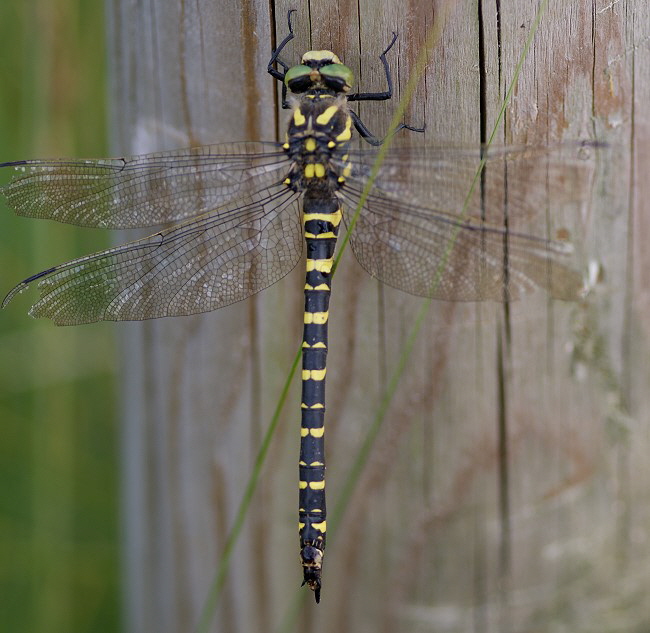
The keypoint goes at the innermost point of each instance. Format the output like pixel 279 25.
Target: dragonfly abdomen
pixel 321 218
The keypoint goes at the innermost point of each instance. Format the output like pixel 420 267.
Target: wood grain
pixel 508 486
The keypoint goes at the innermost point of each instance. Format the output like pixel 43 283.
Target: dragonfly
pixel 440 222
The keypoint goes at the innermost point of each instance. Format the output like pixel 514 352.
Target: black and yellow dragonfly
pixel 427 226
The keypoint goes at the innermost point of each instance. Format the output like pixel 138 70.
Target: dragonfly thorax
pixel 319 131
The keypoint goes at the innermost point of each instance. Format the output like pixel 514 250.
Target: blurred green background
pixel 58 433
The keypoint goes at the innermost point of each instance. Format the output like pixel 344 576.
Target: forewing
pixel 209 262
pixel 474 182
pixel 146 190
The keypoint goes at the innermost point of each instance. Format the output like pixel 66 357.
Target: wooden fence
pixel 508 486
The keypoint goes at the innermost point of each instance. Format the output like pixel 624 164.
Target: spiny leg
pixel 386 94
pixel 360 126
pixel 274 72
pixel 369 137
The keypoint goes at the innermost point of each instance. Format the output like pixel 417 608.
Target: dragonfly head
pixel 319 70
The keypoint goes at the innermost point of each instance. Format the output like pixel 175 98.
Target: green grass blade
pixel 219 581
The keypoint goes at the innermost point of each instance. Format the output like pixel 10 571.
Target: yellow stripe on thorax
pixel 346 134
pixel 314 170
pixel 299 118
pixel 326 116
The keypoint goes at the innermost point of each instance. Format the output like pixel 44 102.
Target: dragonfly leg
pixel 369 137
pixel 364 132
pixel 274 72
pixel 386 94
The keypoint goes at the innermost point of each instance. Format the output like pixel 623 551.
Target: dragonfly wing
pixel 438 256
pixel 146 190
pixel 467 223
pixel 209 262
pixel 474 182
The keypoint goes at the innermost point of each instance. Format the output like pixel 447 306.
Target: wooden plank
pixel 186 74
pixel 513 434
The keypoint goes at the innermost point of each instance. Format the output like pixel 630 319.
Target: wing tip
pixel 24 284
pixel 15 163
pixel 16 290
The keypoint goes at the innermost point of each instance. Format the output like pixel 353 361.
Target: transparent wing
pixel 209 262
pixel 146 190
pixel 441 177
pixel 434 226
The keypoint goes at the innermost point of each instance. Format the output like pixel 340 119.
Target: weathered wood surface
pixel 508 487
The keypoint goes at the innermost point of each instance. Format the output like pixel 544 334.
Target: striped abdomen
pixel 321 220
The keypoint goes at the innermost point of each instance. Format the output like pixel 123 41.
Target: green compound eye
pixel 298 79
pixel 337 77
